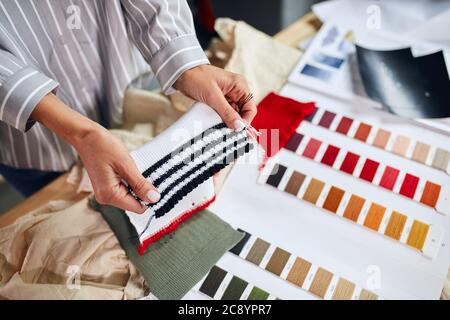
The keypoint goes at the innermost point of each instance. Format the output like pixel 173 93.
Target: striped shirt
pixel 87 52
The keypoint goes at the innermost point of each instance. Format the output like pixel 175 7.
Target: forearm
pixel 68 124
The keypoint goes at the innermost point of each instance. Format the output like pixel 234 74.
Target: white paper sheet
pixel 332 242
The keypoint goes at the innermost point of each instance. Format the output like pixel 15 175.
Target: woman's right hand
pixel 107 161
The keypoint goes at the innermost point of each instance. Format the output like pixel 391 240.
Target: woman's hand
pixel 108 164
pixel 105 158
pixel 219 89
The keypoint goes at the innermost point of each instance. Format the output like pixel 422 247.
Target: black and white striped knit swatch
pixel 180 163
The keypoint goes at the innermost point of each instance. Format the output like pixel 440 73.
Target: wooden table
pixel 60 189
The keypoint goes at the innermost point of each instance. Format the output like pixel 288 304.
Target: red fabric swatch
pixel 344 125
pixel 327 119
pixel 389 178
pixel 279 113
pixel 409 186
pixel 330 155
pixel 369 170
pixel 312 148
pixel 349 163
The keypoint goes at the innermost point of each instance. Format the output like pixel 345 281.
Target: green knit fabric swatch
pixel 178 261
pixel 258 294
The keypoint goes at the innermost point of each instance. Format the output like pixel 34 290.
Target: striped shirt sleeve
pixel 163 31
pixel 21 88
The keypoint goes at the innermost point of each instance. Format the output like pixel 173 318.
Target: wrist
pixel 84 133
pixel 68 124
pixel 187 75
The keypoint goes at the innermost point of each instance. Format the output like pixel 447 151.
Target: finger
pixel 125 201
pixel 240 92
pixel 140 186
pixel 234 106
pixel 117 195
pixel 231 118
pixel 249 111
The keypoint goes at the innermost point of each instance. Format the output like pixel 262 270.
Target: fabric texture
pixel 87 53
pixel 65 250
pixel 181 162
pixel 177 262
pixel 282 114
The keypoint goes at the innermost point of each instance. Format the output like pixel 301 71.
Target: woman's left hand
pixel 222 90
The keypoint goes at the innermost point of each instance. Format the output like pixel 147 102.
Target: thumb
pixel 231 118
pixel 140 186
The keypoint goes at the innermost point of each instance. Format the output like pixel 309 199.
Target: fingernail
pixel 239 125
pixel 153 196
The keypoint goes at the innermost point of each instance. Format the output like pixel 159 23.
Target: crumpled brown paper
pixel 65 251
